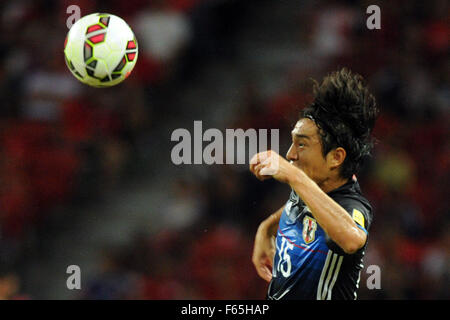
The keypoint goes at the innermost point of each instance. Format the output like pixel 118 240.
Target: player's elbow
pixel 354 243
pixel 350 248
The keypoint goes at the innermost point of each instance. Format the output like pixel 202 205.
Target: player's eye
pixel 301 145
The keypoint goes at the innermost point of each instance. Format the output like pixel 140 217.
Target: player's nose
pixel 291 155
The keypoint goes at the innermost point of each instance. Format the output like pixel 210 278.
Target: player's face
pixel 306 151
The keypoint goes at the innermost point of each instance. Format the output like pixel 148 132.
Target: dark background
pixel 86 175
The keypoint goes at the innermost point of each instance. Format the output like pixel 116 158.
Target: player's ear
pixel 336 157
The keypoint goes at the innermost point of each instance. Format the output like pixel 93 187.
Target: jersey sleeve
pixel 360 213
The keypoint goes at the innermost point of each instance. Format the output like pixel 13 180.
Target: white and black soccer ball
pixel 101 50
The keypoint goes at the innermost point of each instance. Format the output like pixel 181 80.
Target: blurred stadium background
pixel 86 175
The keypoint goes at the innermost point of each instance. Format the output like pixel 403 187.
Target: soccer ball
pixel 101 50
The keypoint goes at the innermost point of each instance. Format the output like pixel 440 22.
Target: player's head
pixel 333 135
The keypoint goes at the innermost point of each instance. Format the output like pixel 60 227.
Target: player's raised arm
pixel 334 219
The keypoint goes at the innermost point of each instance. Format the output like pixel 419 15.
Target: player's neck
pixel 331 184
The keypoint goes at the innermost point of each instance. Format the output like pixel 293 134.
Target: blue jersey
pixel 307 263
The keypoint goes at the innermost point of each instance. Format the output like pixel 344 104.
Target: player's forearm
pixel 334 219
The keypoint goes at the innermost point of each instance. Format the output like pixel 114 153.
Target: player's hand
pixel 256 166
pixel 263 252
pixel 269 164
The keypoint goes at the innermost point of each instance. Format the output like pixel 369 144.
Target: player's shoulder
pixel 350 192
pixel 350 197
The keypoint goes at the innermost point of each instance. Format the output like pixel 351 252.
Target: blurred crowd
pixel 63 143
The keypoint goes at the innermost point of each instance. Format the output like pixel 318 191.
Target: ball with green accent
pixel 101 50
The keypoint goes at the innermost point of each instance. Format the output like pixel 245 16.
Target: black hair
pixel 345 112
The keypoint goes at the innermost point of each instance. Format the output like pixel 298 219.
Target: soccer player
pixel 322 230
